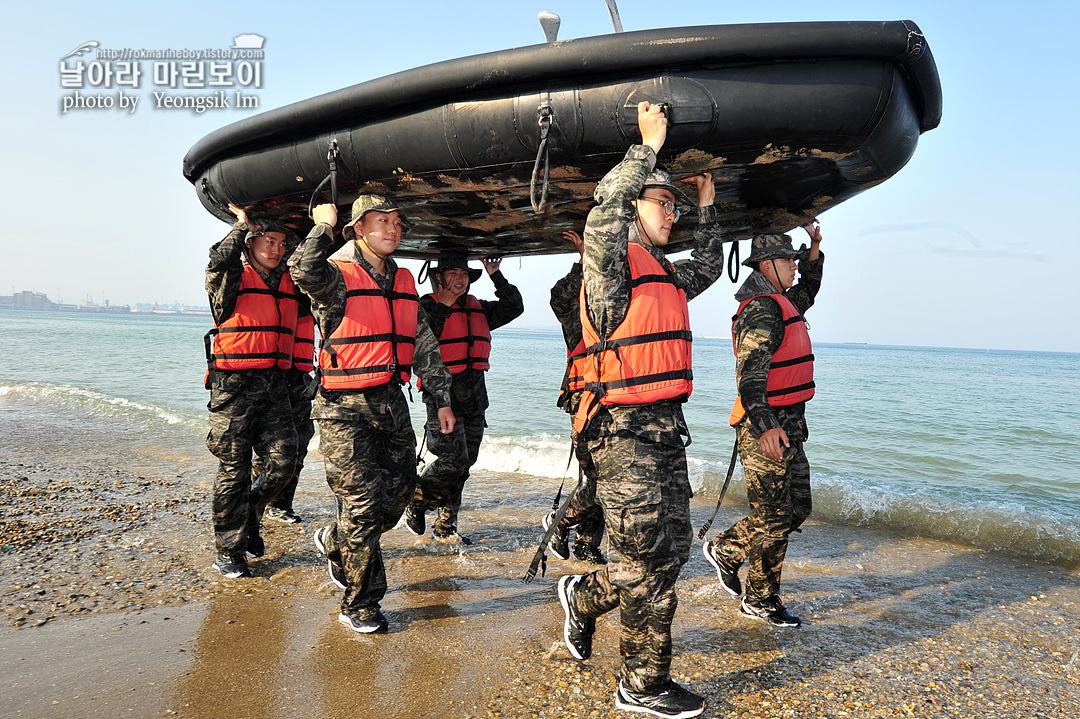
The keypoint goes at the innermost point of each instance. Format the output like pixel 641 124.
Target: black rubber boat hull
pixel 791 118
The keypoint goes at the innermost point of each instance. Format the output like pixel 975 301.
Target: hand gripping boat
pixel 496 154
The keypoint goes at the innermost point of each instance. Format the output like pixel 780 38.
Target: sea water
pixel 980 447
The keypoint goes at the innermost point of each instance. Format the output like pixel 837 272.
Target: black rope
pixel 544 121
pixel 723 490
pixel 733 262
pixel 331 157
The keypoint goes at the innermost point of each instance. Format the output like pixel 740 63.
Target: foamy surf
pixel 99 404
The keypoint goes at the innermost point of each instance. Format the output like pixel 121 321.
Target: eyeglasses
pixel 668 205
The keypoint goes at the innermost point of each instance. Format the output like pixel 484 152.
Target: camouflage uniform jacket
pixel 226 269
pixel 608 231
pixel 468 392
pixel 321 280
pixel 758 331
pixel 565 303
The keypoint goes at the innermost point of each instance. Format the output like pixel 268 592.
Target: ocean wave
pixel 99 404
pixel 1006 526
pixel 542 455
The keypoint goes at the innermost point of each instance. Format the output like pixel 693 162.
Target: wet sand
pixel 110 609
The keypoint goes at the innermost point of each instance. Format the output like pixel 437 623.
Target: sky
pixel 969 245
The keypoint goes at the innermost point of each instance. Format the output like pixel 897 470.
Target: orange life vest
pixel 465 340
pixel 791 372
pixel 375 341
pixel 574 376
pixel 647 359
pixel 304 344
pixel 259 332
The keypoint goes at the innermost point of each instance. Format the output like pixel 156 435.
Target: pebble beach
pixel 110 608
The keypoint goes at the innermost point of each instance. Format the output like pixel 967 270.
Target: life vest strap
pixel 388 337
pixel 646 279
pixel 600 388
pixel 394 368
pixel 791 390
pixel 376 292
pixel 791 362
pixel 277 329
pixel 467 338
pixel 640 339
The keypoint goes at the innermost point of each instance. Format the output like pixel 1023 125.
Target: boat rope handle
pixel 331 157
pixel 733 265
pixel 544 120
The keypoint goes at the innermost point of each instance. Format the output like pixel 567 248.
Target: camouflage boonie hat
pixel 662 179
pixel 372 203
pixel 451 262
pixel 292 240
pixel 774 247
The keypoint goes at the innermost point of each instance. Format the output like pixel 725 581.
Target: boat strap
pixel 733 265
pixel 540 558
pixel 723 490
pixel 331 158
pixel 544 120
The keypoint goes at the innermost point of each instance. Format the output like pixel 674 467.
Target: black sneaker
pixel 671 701
pixel 726 570
pixel 588 553
pixel 577 629
pixel 772 611
pixel 232 567
pixel 560 538
pixel 376 623
pixel 333 567
pixel 256 547
pixel 288 516
pixel 414 520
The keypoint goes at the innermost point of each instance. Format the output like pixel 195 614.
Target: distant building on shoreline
pixel 39 301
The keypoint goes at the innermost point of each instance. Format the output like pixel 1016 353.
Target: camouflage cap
pixel 774 247
pixel 451 262
pixel 372 203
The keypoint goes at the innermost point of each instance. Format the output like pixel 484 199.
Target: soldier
pixel 774 370
pixel 254 305
pixel 635 324
pixel 463 325
pixel 583 514
pixel 281 506
pixel 374 335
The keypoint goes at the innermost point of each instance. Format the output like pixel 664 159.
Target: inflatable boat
pixel 497 154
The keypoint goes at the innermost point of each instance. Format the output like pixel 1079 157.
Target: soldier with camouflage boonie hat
pixel 774 372
pixel 372 203
pixel 773 247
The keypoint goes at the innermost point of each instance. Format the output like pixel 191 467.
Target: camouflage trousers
pixel 446 476
pixel 779 498
pixel 643 490
pixel 248 409
pixel 305 430
pixel 370 499
pixel 584 514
